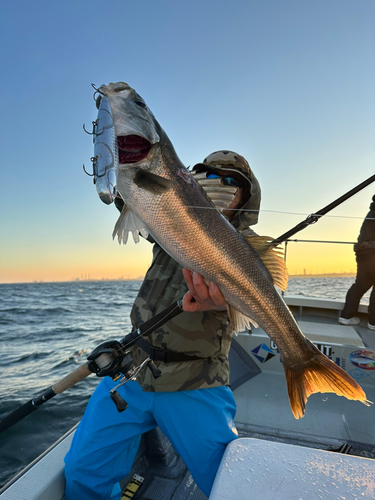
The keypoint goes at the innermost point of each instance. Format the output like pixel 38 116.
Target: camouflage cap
pixel 249 212
pixel 220 158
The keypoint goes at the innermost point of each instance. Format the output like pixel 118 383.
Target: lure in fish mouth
pixel 136 158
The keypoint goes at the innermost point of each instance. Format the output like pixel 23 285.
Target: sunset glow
pixel 289 87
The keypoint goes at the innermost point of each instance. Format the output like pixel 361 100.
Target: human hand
pixel 201 296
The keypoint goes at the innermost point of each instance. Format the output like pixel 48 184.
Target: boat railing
pixel 289 240
pixel 286 242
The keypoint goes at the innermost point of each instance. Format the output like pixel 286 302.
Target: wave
pixel 25 358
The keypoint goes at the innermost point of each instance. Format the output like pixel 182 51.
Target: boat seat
pixel 253 468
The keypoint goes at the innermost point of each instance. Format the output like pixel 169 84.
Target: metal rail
pixel 322 241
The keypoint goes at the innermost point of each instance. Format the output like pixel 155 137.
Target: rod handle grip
pixel 71 379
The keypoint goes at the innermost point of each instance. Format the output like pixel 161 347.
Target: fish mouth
pixel 132 148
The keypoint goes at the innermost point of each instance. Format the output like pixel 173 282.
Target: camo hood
pixel 248 214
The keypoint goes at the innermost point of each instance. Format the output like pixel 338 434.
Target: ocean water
pixel 325 288
pixel 48 329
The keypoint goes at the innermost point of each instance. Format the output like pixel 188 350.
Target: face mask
pixel 220 194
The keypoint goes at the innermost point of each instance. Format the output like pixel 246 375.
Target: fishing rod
pixel 313 218
pixel 110 357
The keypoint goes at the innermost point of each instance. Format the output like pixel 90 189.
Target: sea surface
pixel 48 329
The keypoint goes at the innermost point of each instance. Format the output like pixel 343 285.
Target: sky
pixel 289 85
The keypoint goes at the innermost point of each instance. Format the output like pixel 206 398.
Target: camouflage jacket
pixel 207 335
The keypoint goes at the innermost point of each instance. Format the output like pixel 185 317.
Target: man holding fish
pixel 199 221
pixel 195 346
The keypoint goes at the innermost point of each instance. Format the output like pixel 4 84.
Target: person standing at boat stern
pixel 191 402
pixel 365 279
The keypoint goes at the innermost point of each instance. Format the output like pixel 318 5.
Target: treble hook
pixel 87 132
pixel 94 160
pixel 97 99
pixel 94 124
pixel 84 169
pixel 95 132
pixel 97 90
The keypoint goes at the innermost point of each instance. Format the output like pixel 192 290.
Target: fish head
pixel 136 134
pixel 135 126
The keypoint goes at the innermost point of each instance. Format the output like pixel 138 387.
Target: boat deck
pixel 262 401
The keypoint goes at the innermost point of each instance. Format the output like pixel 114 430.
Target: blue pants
pixel 198 423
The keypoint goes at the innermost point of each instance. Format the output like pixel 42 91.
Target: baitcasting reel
pixel 110 359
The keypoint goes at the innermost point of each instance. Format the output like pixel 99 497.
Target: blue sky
pixel 287 84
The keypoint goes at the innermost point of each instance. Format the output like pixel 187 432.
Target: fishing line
pixel 281 212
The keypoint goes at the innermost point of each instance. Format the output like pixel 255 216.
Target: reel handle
pixel 156 373
pixel 121 405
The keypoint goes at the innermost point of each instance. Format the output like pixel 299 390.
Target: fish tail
pixel 319 374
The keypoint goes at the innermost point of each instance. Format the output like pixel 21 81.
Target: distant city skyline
pixel 140 278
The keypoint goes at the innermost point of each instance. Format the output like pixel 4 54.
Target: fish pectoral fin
pixel 272 257
pixel 239 321
pixel 151 182
pixel 319 374
pixel 129 222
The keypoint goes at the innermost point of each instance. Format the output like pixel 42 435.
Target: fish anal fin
pixel 239 321
pixel 272 257
pixel 320 374
pixel 151 182
pixel 129 222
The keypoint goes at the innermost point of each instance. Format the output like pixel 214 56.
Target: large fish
pixel 163 199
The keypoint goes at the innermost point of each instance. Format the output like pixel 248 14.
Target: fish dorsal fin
pixel 239 321
pixel 272 257
pixel 129 222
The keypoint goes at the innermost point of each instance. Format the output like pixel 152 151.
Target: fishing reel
pixel 113 360
pixel 110 359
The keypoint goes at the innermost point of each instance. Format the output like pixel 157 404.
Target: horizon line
pixel 141 278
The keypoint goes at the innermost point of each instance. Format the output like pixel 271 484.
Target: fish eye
pixel 140 103
pixel 119 86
